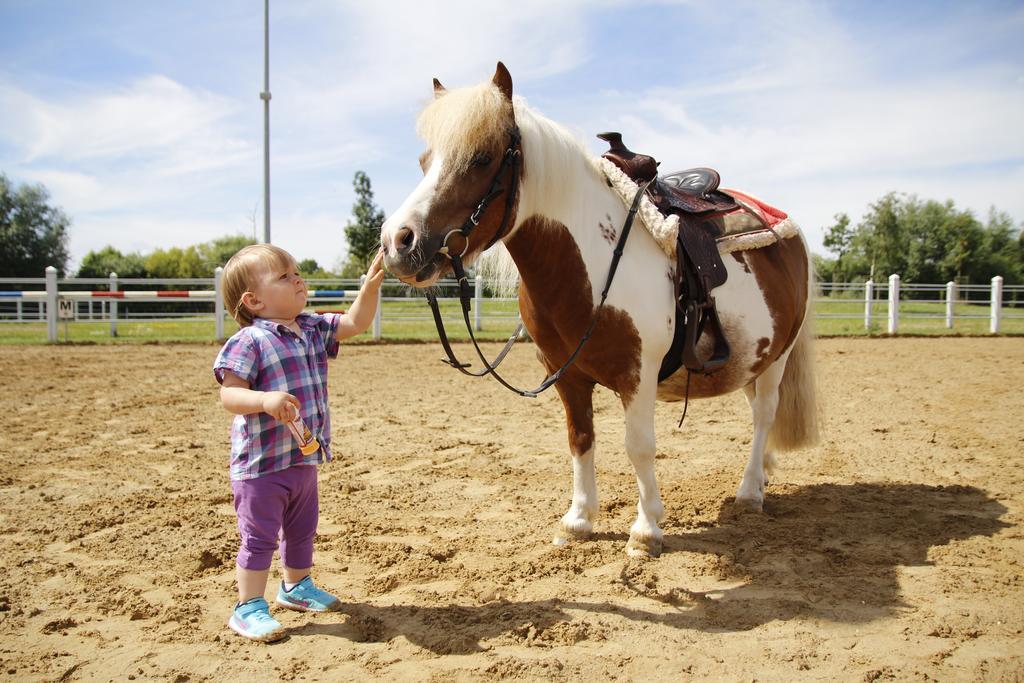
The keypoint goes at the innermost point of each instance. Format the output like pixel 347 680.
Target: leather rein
pixel 510 162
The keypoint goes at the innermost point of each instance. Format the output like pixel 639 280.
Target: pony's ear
pixel 503 79
pixel 439 89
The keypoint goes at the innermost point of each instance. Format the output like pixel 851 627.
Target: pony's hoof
pixel 578 530
pixel 750 504
pixel 643 547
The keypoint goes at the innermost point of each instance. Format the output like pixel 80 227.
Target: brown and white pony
pixel 560 241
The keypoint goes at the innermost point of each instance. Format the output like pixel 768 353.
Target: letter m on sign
pixel 66 309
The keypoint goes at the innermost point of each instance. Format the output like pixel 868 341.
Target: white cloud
pixel 326 157
pixel 150 141
pixel 72 188
pixel 153 115
pixel 843 149
pixel 137 166
pixel 858 129
pixel 317 235
pixel 144 231
pixel 386 52
pixel 813 127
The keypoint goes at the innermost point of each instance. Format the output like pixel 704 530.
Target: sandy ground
pixel 892 551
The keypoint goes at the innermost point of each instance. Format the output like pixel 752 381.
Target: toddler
pixel 273 369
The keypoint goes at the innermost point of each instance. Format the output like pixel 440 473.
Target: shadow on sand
pixel 827 551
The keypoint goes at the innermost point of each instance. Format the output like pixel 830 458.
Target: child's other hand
pixel 280 405
pixel 375 275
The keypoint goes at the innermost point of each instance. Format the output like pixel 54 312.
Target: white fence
pixel 930 302
pixel 66 299
pixel 49 300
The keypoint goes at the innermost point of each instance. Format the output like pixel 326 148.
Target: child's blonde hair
pixel 241 271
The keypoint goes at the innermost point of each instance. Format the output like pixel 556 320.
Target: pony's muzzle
pixel 403 242
pixel 400 253
pixel 412 256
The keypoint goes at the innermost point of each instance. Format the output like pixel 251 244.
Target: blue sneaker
pixel 252 620
pixel 305 597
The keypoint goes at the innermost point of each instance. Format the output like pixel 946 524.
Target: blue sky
pixel 144 122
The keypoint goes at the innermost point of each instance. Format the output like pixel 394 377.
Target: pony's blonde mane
pixel 462 122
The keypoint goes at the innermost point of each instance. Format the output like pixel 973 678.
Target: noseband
pixel 510 162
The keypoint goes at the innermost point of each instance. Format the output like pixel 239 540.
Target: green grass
pixel 411 321
pixel 99 332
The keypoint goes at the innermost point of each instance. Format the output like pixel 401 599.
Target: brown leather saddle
pixel 693 195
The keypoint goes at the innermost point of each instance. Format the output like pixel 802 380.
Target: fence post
pixel 478 299
pixel 894 303
pixel 113 306
pixel 218 301
pixel 997 304
pixel 51 304
pixel 18 306
pixel 869 300
pixel 378 315
pixel 950 301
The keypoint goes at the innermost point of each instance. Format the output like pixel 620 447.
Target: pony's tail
pixel 797 416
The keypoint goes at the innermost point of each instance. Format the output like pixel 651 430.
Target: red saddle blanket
pixel 768 215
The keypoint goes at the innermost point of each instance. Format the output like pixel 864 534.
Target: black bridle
pixel 510 162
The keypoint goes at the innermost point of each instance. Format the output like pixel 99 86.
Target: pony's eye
pixel 481 159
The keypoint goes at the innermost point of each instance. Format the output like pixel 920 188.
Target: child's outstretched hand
pixel 375 275
pixel 280 405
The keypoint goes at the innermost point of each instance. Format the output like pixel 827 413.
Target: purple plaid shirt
pixel 272 357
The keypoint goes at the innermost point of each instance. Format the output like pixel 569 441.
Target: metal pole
pixel 265 96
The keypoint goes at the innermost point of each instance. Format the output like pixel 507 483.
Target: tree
pixel 824 268
pixel 955 248
pixel 927 241
pixel 881 237
pixel 109 260
pixel 1002 252
pixel 195 261
pixel 838 239
pixel 217 252
pixel 177 263
pixel 33 234
pixel 363 234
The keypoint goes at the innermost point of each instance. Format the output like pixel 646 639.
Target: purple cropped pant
pixel 279 506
